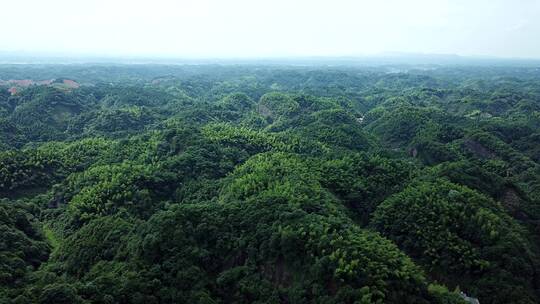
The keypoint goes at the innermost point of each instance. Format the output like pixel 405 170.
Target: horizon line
pixel 379 55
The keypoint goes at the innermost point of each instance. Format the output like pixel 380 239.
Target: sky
pixel 271 28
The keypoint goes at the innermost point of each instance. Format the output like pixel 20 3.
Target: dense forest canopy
pixel 269 184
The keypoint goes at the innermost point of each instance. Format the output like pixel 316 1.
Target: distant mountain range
pixel 387 58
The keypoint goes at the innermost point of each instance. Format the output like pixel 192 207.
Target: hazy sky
pixel 257 28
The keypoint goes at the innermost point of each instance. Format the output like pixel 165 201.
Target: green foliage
pixel 277 105
pixel 38 168
pixel 44 113
pixel 110 189
pixel 297 260
pixel 256 141
pixel 270 184
pixel 363 181
pixel 22 248
pixel 115 121
pixel 462 237
pixel 398 125
pixel 441 295
pixel 99 240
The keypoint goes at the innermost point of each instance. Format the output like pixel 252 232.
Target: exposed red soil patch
pixel 22 82
pixel 71 83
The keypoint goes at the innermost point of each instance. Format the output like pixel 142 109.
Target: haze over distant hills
pixel 385 58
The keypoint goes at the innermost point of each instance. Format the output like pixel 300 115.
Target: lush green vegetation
pixel 270 184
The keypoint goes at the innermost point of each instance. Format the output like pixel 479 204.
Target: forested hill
pixel 269 184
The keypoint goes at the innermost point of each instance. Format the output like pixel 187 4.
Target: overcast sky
pixel 271 28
